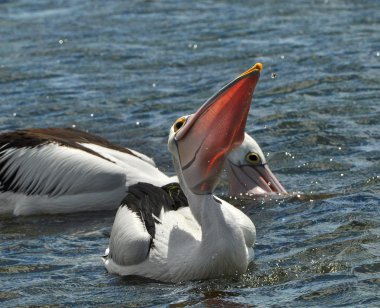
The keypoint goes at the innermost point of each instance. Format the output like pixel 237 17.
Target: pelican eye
pixel 179 123
pixel 253 158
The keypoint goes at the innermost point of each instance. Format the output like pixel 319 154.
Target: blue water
pixel 127 69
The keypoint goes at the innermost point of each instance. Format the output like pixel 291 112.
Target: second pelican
pixel 154 235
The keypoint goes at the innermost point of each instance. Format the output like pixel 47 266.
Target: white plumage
pixel 183 250
pixel 55 178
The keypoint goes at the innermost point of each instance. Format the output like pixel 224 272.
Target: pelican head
pixel 200 142
pixel 248 171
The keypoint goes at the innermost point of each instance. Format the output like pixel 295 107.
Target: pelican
pixel 155 235
pixel 57 170
pixel 64 170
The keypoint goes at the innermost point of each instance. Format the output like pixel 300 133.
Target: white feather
pixel 185 251
pixel 144 157
pixel 136 169
pixel 60 180
pixel 129 243
pixel 53 178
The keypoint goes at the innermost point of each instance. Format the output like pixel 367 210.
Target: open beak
pixel 250 179
pixel 215 130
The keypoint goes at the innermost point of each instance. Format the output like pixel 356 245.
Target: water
pixel 127 70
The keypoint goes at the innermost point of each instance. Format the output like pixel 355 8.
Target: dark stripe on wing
pixel 70 137
pixel 147 201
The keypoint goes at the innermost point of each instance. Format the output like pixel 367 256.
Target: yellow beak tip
pixel 256 67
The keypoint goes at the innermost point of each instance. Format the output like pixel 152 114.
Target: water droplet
pixel 60 42
pixel 342 174
pixel 153 85
pixel 377 54
pixel 195 46
pixel 91 115
pixel 137 123
pixel 14 114
pixel 73 126
pixel 339 148
pixel 274 75
pixel 282 57
pixel 331 159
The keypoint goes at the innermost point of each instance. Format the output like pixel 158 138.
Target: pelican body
pixel 59 170
pixel 156 235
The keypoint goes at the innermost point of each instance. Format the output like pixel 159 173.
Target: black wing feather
pixel 147 201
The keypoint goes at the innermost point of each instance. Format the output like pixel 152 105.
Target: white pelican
pixel 155 236
pixel 60 170
pixel 64 170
